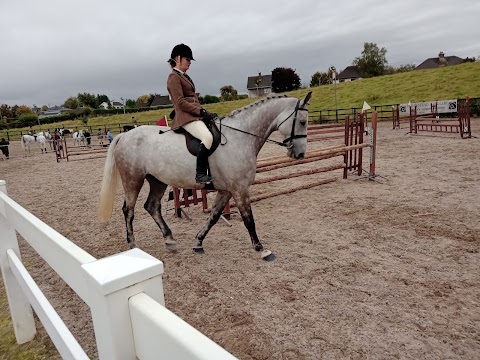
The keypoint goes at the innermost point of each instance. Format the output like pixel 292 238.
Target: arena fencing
pixel 63 151
pixel 333 116
pixel 16 134
pixel 434 123
pixel 352 132
pixel 124 293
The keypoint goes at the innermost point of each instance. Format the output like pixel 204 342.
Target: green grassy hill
pixel 419 85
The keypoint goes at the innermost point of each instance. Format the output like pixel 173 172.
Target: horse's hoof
pixel 171 246
pixel 267 255
pixel 199 250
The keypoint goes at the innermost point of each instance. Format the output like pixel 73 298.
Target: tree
pixel 86 99
pixel 144 101
pixel 472 59
pixel 321 78
pixel 405 68
pixel 100 99
pixel 208 99
pixel 6 111
pixel 44 107
pixel 130 104
pixel 23 110
pixel 285 79
pixel 373 60
pixel 71 103
pixel 27 119
pixel 228 93
pixel 330 72
pixel 315 81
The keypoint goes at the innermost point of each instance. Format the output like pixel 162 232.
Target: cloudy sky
pixel 53 49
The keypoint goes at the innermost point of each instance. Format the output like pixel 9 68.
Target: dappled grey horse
pixel 163 159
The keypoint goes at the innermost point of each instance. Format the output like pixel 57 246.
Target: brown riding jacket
pixel 184 99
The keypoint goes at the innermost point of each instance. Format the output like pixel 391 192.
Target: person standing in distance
pixel 189 114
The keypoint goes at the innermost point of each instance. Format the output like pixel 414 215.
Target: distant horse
pixel 55 140
pixel 49 138
pixel 128 127
pixel 64 132
pixel 42 141
pixel 135 156
pixel 26 141
pixel 78 137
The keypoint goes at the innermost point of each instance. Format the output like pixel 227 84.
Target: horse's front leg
pixel 242 201
pixel 220 201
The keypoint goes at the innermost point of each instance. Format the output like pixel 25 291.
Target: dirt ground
pixel 364 269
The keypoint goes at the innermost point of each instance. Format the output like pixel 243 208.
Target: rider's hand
pixel 207 115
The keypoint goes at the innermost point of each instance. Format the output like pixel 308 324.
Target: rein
pixel 287 140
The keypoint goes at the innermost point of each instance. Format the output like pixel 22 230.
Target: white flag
pixel 365 106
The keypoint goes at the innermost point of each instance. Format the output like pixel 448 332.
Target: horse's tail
pixel 109 184
pixel 23 142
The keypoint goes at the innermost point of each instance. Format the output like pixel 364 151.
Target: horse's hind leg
pixel 220 201
pixel 242 201
pixel 132 187
pixel 154 206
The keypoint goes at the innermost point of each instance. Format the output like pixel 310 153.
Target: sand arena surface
pixel 364 270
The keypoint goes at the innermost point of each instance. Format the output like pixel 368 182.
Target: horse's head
pixel 294 128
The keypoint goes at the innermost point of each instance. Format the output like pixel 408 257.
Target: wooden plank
pixel 299 173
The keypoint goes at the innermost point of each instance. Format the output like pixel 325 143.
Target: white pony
pixel 27 140
pixel 42 141
pixel 39 138
pixel 78 137
pixel 48 136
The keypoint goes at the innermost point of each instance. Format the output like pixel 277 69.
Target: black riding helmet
pixel 182 50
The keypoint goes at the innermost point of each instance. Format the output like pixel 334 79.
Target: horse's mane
pixel 256 103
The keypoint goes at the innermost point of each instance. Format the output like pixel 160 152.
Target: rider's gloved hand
pixel 207 115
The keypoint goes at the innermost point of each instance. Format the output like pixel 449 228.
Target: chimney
pixel 441 59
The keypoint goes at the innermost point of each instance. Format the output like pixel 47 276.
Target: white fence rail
pixel 124 293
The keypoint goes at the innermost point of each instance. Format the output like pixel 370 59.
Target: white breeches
pixel 201 132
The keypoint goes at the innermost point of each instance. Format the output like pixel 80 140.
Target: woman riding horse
pixel 133 158
pixel 188 113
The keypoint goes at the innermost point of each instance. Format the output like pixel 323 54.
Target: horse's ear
pixel 306 100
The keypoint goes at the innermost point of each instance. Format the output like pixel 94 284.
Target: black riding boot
pixel 202 166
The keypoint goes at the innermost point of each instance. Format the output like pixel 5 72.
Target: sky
pixel 54 49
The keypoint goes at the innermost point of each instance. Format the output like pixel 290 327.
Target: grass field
pixel 39 349
pixel 420 85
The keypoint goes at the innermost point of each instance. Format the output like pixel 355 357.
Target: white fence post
pixel 20 309
pixel 112 281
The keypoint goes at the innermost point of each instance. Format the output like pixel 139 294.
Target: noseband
pixel 288 142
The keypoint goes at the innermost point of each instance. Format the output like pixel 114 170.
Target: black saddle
pixel 193 143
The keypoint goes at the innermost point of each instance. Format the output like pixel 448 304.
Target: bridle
pixel 288 142
pixel 292 133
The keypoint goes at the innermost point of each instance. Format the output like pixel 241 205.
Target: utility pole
pixel 334 78
pixel 123 100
